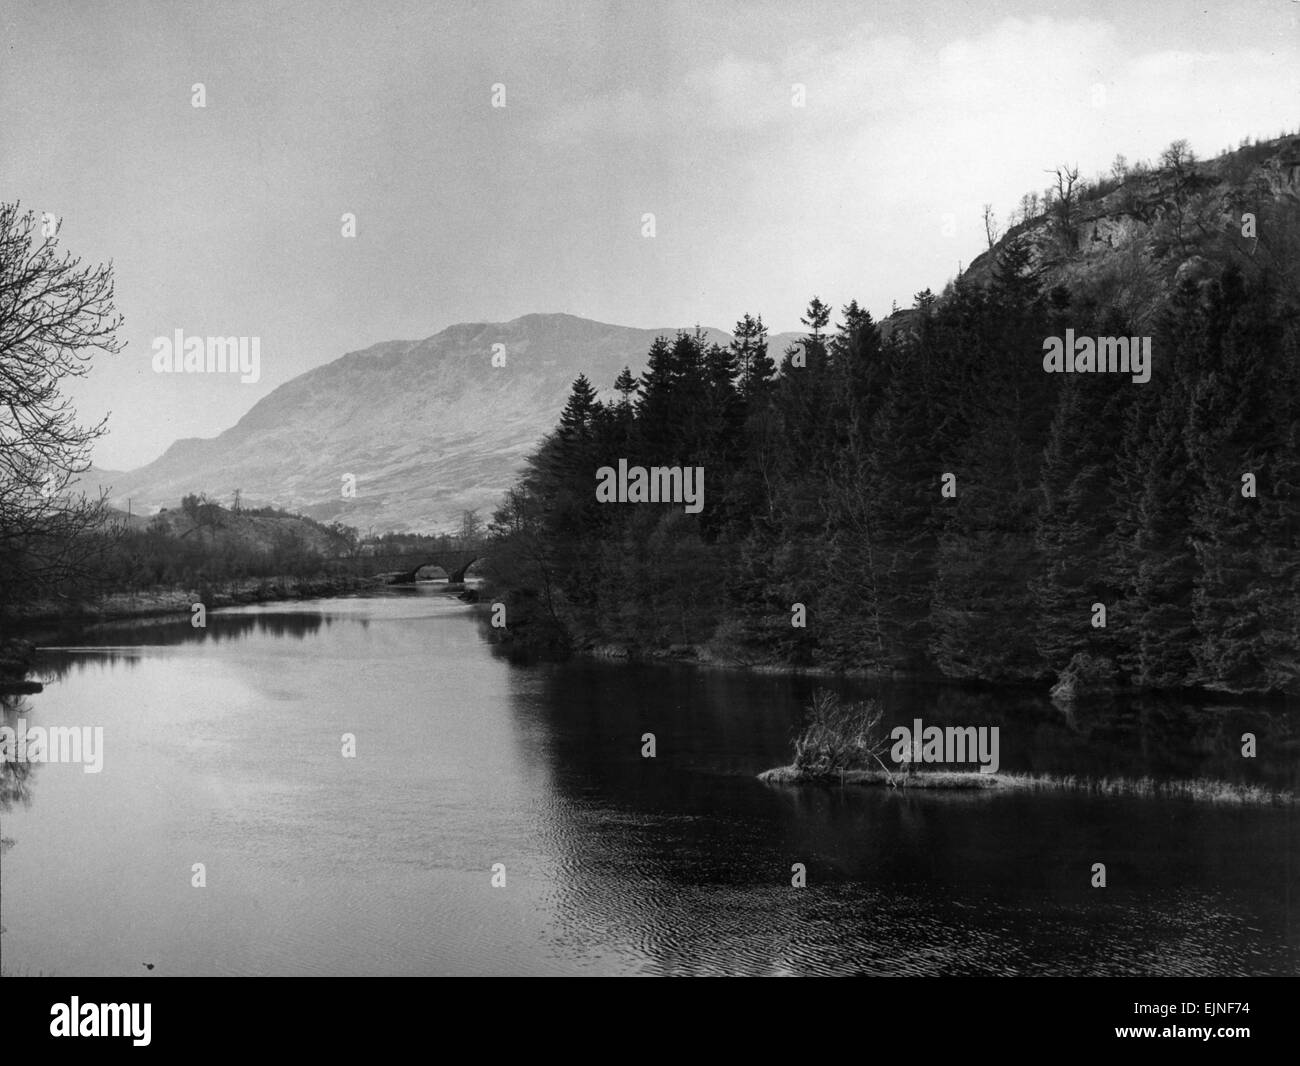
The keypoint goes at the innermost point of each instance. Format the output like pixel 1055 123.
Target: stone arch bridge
pixel 404 568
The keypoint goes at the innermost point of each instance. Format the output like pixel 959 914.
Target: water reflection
pixel 129 642
pixel 223 745
pixel 685 862
pixel 15 775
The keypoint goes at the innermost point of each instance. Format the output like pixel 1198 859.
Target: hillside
pixel 427 428
pixel 1174 209
pixel 430 428
pixel 246 533
pixel 1125 241
pixel 938 499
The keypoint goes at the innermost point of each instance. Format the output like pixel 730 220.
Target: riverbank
pixel 53 614
pixel 704 655
pixel 1069 688
pixel 1201 789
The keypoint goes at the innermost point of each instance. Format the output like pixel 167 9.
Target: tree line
pixel 1171 504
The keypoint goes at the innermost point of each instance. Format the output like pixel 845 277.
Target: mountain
pixel 426 428
pixel 430 428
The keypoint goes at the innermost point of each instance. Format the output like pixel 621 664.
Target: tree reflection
pixel 15 776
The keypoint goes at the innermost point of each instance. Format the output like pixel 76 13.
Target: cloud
pixel 896 141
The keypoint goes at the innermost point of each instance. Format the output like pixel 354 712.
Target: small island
pixel 843 744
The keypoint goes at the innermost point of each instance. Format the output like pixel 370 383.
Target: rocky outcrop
pixel 1156 218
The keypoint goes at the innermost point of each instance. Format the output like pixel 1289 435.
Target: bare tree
pixel 1178 156
pixel 471 530
pixel 55 314
pixel 1064 203
pixel 1177 183
pixel 990 226
pixel 347 540
pixel 1029 207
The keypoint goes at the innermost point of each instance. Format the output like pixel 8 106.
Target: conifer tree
pixel 753 364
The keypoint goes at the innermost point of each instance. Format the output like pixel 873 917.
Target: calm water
pixel 223 747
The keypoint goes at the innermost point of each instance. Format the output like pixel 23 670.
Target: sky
pixel 228 219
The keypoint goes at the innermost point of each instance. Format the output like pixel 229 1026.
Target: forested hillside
pixel 934 499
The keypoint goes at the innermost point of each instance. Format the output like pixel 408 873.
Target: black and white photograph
pixel 572 488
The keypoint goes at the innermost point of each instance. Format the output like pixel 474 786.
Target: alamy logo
pixel 208 355
pixel 658 484
pixel 955 744
pixel 1105 355
pixel 102 1019
pixel 58 744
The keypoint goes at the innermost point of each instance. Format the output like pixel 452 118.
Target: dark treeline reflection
pixel 688 857
pixel 15 776
pixel 74 648
pixel 1134 735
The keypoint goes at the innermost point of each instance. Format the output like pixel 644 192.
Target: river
pixel 224 747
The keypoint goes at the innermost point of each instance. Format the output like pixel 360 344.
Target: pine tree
pixel 816 318
pixel 753 364
pixel 1166 572
pixel 984 617
pixel 1075 528
pixel 1231 432
pixel 575 419
pixel 850 545
pixel 654 413
pixel 626 385
pixel 623 413
pixel 908 448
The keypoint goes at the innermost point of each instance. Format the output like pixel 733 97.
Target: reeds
pixel 1200 788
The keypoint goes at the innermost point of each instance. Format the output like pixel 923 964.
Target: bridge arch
pixel 455 571
pixel 453 563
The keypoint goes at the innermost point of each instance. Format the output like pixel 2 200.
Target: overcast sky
pixel 226 219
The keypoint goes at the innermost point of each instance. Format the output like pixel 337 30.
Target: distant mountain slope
pixel 427 428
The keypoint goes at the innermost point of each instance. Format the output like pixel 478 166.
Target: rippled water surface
pixel 223 747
